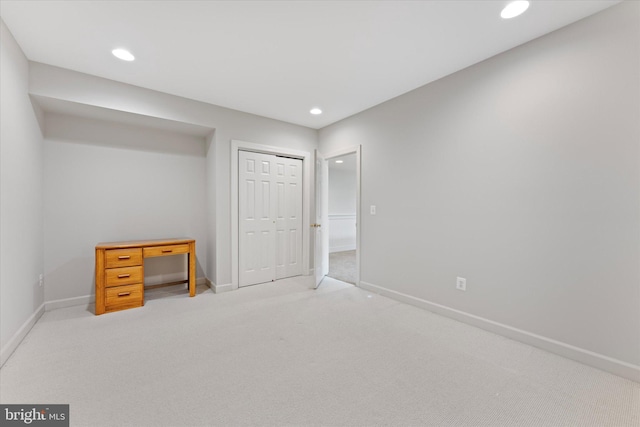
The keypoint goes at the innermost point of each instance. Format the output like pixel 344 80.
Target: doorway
pixel 342 202
pixel 343 213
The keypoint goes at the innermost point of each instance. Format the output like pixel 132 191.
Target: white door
pixel 270 217
pixel 257 218
pixel 288 192
pixel 321 172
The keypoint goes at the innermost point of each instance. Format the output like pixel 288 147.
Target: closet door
pixel 288 217
pixel 257 241
pixel 270 217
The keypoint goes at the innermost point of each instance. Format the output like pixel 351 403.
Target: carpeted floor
pixel 283 354
pixel 342 266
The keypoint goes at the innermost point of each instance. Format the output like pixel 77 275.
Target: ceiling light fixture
pixel 123 54
pixel 339 161
pixel 514 9
pixel 315 111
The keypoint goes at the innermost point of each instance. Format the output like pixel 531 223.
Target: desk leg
pixel 192 269
pixel 100 304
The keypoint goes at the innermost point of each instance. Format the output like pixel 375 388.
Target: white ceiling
pixel 280 58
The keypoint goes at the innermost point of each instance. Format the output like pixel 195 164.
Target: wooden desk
pixel 120 270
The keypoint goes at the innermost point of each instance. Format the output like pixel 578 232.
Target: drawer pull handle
pixel 122 276
pixel 164 251
pixel 124 294
pixel 124 257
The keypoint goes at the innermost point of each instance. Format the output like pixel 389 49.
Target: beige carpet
pixel 342 266
pixel 282 354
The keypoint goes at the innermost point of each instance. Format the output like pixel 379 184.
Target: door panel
pixel 250 197
pixel 281 207
pixel 289 219
pixel 256 242
pixel 265 195
pixel 280 249
pixel 293 245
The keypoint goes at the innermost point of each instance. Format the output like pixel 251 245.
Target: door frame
pixel 305 156
pixel 357 150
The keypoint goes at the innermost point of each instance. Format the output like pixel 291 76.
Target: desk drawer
pixel 128 295
pixel 123 276
pixel 123 257
pixel 166 250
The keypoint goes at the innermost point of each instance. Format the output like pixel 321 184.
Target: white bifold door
pixel 270 217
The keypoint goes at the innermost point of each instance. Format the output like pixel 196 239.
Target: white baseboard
pixel 222 288
pixel 69 302
pixel 596 360
pixel 17 338
pixel 91 299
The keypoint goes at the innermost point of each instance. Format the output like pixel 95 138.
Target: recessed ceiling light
pixel 514 9
pixel 315 111
pixel 123 54
pixel 339 161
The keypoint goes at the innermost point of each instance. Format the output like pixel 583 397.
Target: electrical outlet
pixel 41 279
pixel 461 283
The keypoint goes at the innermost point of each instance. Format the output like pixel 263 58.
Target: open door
pixel 321 172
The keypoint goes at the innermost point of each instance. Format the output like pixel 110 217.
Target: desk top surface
pixel 144 243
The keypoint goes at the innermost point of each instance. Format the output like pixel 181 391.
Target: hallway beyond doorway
pixel 342 266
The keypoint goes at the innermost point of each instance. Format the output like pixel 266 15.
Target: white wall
pixel 521 174
pixel 342 191
pixel 68 86
pixel 21 218
pixel 107 181
pixel 342 210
